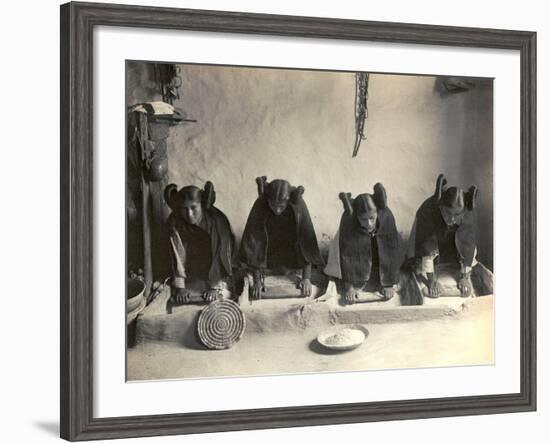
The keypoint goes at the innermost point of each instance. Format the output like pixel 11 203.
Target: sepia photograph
pixel 287 221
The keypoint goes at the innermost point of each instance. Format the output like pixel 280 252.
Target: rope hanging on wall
pixel 361 110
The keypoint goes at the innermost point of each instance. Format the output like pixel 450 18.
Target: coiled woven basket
pixel 221 324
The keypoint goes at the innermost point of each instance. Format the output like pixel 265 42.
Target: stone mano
pixel 157 324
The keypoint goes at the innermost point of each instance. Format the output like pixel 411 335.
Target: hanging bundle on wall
pixel 458 84
pixel 168 80
pixel 361 110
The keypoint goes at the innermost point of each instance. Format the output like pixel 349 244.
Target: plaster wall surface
pixel 300 126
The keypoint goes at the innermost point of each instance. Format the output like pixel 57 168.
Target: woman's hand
pixel 350 293
pixel 388 292
pixel 210 295
pixel 257 290
pixel 306 287
pixel 434 288
pixel 465 285
pixel 258 286
pixel 180 296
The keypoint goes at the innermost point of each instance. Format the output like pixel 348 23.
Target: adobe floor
pixel 463 337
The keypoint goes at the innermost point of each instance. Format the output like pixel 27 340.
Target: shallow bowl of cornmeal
pixel 343 337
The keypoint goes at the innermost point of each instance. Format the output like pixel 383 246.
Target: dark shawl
pixel 431 229
pixel 222 240
pixel 253 250
pixel 356 255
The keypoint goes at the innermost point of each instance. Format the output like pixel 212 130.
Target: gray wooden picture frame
pixel 77 217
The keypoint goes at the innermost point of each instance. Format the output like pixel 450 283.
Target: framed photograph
pixel 272 221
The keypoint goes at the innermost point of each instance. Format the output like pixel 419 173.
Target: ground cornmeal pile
pixel 345 337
